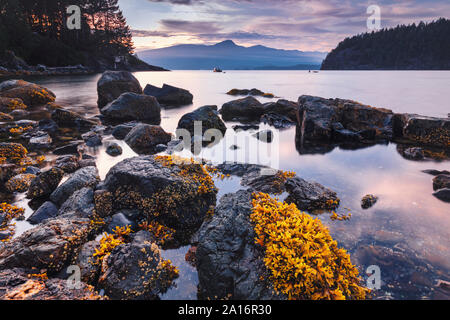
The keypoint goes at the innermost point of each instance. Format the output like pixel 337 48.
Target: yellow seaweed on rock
pixel 303 260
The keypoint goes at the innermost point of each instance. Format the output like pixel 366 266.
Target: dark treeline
pixel 36 30
pixel 425 46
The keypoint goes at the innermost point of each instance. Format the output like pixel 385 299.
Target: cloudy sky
pixel 308 25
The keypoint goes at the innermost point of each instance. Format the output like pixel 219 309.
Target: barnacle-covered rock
pixel 69 119
pixel 268 181
pixel 113 149
pixel 113 83
pixel 47 246
pixel 31 94
pixel 11 104
pixel 19 183
pixel 13 152
pixel 441 181
pixel 89 267
pixel 368 201
pixel 84 177
pixel 131 106
pixel 136 270
pixel 68 163
pixel 228 254
pixel 310 196
pixel 176 192
pixel 424 130
pixel 143 138
pixel 44 184
pixel 19 284
pixel 92 139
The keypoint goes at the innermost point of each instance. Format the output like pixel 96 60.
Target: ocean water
pixel 407 222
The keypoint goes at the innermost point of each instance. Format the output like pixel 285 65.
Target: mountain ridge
pixel 228 56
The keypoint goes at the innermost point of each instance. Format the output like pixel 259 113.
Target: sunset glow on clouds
pixel 287 24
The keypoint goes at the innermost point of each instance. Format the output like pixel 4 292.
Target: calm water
pixel 407 220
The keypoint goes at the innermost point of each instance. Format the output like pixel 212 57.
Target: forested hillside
pixel 425 46
pixel 36 30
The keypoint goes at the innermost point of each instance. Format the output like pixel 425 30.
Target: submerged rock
pixel 434 172
pixel 226 252
pixel 132 106
pixel 120 132
pixel 68 163
pixel 251 92
pixel 246 109
pixel 143 138
pixel 114 83
pixel 209 118
pixel 70 119
pixel 92 139
pixel 368 201
pixel 136 271
pixel 443 194
pixel 169 96
pixel 113 149
pixel 44 184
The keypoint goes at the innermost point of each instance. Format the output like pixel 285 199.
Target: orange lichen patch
pixel 13 152
pixel 25 291
pixel 332 204
pixel 216 173
pixel 19 183
pixel 161 233
pixel 110 241
pixel 42 96
pixel 20 130
pixel 303 260
pixel 340 217
pixel 10 212
pixel 16 104
pixel 41 276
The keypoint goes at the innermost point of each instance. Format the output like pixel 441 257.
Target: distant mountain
pixel 229 56
pixel 414 47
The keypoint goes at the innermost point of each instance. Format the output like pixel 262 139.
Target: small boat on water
pixel 217 70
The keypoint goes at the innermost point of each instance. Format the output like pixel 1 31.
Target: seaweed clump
pixel 110 241
pixel 7 213
pixel 302 258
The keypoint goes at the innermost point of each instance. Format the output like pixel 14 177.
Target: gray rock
pixel 441 181
pixel 310 196
pixel 143 138
pixel 207 115
pixel 40 140
pixel 84 177
pixel 44 184
pixel 90 269
pixel 68 163
pixel 69 119
pixel 169 96
pixel 120 132
pixel 80 204
pixel 113 149
pixel 33 170
pixel 47 211
pixel 443 194
pixel 247 109
pixel 134 271
pixel 114 83
pixel 228 254
pixel 132 106
pixel 92 139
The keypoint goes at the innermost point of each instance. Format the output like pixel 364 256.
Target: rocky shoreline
pixel 114 230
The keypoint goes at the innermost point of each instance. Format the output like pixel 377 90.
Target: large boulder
pixel 44 184
pixel 48 246
pixel 136 270
pixel 132 106
pixel 228 254
pixel 31 94
pixel 178 195
pixel 169 96
pixel 334 120
pixel 246 109
pixel 113 83
pixel 423 130
pixel 282 107
pixel 143 138
pixel 310 196
pixel 207 115
pixel 84 177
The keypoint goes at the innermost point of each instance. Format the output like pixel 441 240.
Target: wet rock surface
pixel 132 106
pixel 44 184
pixel 226 252
pixel 368 201
pixel 114 83
pixel 143 138
pixel 246 109
pixel 47 211
pixel 31 94
pixel 209 118
pixel 135 270
pixel 169 96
